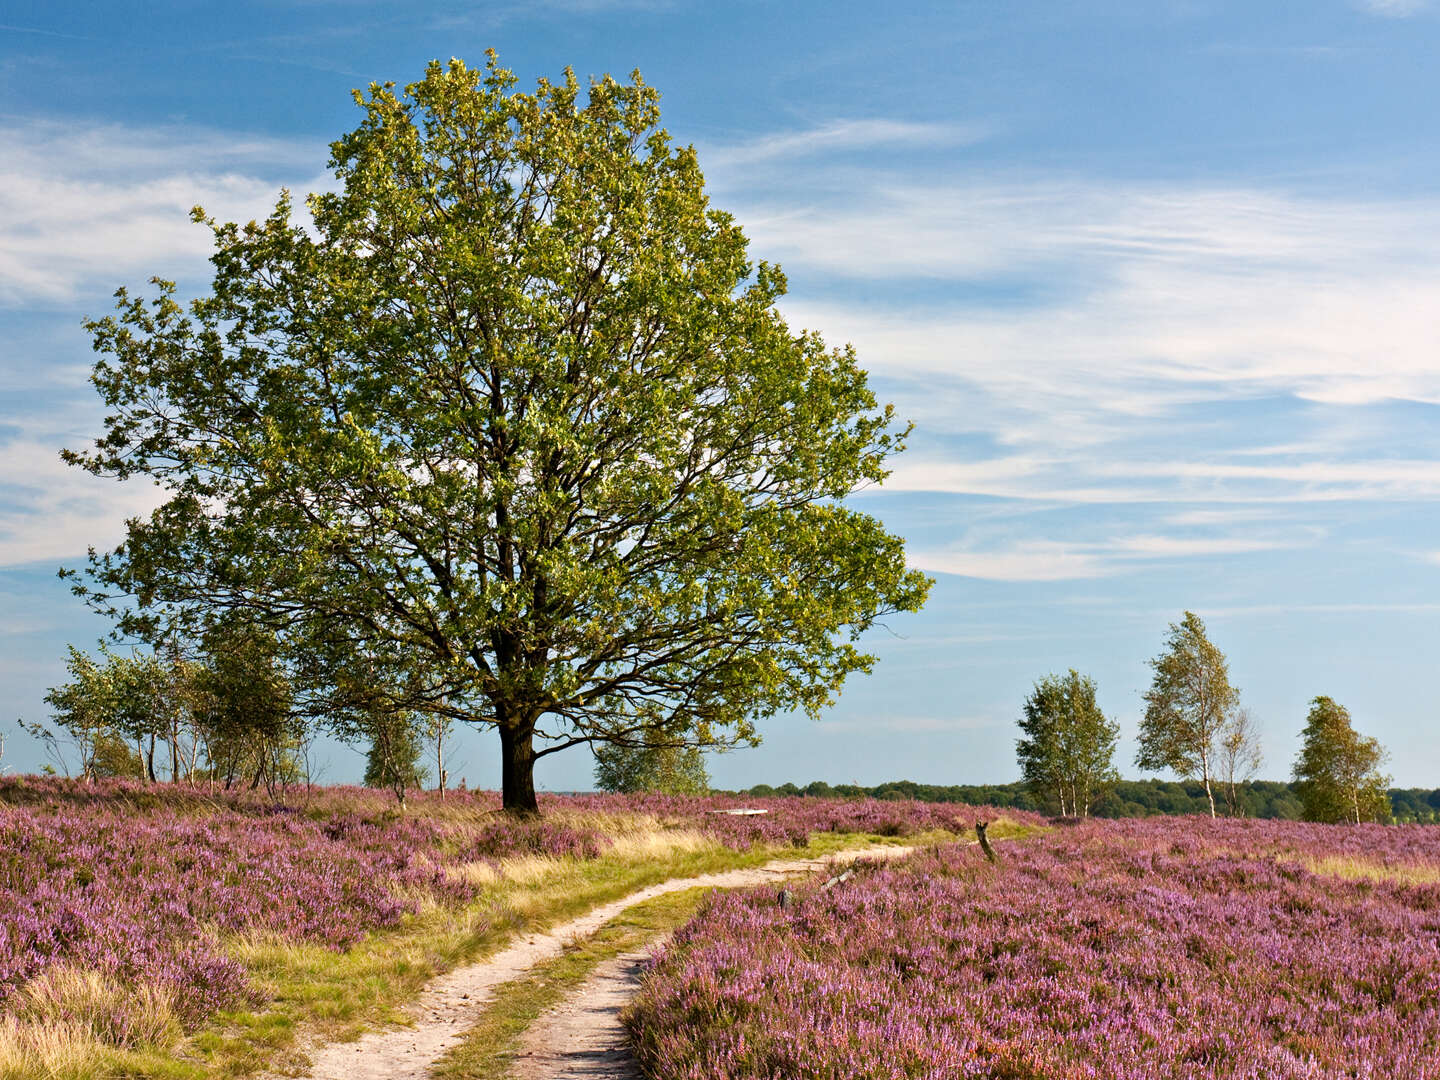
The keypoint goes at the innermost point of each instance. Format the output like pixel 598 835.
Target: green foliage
pixel 1337 772
pixel 1066 754
pixel 110 710
pixel 1415 805
pixel 232 708
pixel 652 766
pixel 1188 705
pixel 245 707
pixel 393 760
pixel 114 756
pixel 517 419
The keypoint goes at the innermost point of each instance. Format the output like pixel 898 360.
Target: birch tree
pixel 1187 706
pixel 1337 770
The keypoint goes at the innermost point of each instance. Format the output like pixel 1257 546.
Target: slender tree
pixel 1066 754
pixel 1187 706
pixel 1240 756
pixel 82 708
pixel 518 410
pixel 437 732
pixel 1337 772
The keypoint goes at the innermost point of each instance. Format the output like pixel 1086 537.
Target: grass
pixel 490 1047
pixel 1352 868
pixel 316 995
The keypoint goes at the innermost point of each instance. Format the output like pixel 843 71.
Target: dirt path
pixel 582 1038
pixel 448 1007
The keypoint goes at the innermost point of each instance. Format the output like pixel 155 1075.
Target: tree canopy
pixel 1337 772
pixel 1188 706
pixel 1068 745
pixel 512 419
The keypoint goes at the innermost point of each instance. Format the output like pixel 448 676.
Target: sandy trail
pixel 451 1004
pixel 582 1038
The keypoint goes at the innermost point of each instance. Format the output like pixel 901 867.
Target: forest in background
pixel 1128 798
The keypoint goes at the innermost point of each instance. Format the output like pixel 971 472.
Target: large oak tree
pixel 513 419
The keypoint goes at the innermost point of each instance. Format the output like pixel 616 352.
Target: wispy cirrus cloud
pixel 1395 9
pixel 838 137
pixel 1087 341
pixel 1038 560
pixel 1159 293
pixel 84 204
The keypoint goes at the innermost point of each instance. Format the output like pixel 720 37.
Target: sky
pixel 1156 281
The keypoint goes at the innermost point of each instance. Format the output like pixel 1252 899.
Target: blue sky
pixel 1156 281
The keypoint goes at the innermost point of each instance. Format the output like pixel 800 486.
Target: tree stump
pixel 980 827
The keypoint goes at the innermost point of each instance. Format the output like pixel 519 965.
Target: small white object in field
pixel 743 811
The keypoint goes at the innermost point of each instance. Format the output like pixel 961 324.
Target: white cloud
pixel 52 512
pixel 1111 343
pixel 1051 560
pixel 82 205
pixel 835 136
pixel 1035 560
pixel 1060 480
pixel 1395 9
pixel 1155 297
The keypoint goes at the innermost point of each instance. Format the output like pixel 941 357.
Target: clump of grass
pixel 94 1004
pixel 1358 868
pixel 50 1049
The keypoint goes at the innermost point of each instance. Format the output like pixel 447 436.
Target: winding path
pixel 451 1004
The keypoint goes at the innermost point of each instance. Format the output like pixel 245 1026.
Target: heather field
pixel 166 931
pixel 170 927
pixel 1178 948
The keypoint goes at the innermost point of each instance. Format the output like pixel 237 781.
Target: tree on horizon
pixel 1188 706
pixel 1066 755
pixel 1337 770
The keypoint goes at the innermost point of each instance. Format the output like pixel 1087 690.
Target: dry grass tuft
pixel 98 1006
pixel 660 842
pixel 1353 868
pixel 49 1049
pixel 531 869
pixel 476 873
pixel 632 840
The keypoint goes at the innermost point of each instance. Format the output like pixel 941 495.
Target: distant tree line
pixel 1195 727
pixel 1127 798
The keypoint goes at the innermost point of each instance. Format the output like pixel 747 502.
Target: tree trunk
pixel 440 757
pixel 517 769
pixel 174 750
